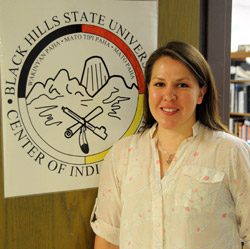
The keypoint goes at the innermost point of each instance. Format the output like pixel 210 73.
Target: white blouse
pixel 203 201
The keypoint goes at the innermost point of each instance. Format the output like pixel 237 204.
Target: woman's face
pixel 173 94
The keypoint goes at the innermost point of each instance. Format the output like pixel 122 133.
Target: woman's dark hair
pixel 206 112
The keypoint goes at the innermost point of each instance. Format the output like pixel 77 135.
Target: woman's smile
pixel 169 110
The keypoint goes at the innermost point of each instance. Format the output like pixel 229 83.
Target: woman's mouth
pixel 169 109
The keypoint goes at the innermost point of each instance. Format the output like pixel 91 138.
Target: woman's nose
pixel 169 94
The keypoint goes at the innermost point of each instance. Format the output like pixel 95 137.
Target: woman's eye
pixel 159 84
pixel 182 85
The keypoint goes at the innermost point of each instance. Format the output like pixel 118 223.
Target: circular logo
pixel 80 90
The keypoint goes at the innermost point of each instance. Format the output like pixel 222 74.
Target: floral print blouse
pixel 203 201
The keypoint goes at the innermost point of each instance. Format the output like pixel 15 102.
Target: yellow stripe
pixel 96 158
pixel 137 119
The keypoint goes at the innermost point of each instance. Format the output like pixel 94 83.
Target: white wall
pixel 240 24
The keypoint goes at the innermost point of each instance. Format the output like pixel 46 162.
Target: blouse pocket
pixel 197 188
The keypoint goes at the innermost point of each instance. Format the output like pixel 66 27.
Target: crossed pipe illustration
pixel 83 124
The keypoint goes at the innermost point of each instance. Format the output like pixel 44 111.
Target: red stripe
pixel 122 46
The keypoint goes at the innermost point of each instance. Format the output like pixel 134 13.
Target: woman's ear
pixel 203 91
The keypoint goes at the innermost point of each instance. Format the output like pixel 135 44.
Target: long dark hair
pixel 207 112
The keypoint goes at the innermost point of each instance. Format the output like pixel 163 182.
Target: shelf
pixel 240 55
pixel 239 114
pixel 240 81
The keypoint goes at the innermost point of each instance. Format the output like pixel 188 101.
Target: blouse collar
pixel 196 129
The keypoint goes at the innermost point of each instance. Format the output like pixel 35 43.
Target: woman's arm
pixel 240 189
pixel 101 243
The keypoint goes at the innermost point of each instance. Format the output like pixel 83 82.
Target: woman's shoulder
pixel 134 139
pixel 127 148
pixel 225 139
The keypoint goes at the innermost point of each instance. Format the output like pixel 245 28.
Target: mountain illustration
pixel 95 77
pixel 62 103
pixel 56 87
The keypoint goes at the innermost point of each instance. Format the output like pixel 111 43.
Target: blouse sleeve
pixel 105 218
pixel 240 189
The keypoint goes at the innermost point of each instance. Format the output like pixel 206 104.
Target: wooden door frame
pixel 215 44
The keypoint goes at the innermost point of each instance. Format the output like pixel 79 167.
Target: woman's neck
pixel 170 140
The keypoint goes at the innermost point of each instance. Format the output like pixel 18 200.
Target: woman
pixel 183 181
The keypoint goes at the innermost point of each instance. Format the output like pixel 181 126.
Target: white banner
pixel 71 85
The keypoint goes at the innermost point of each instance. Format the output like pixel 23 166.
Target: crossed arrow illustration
pixel 83 124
